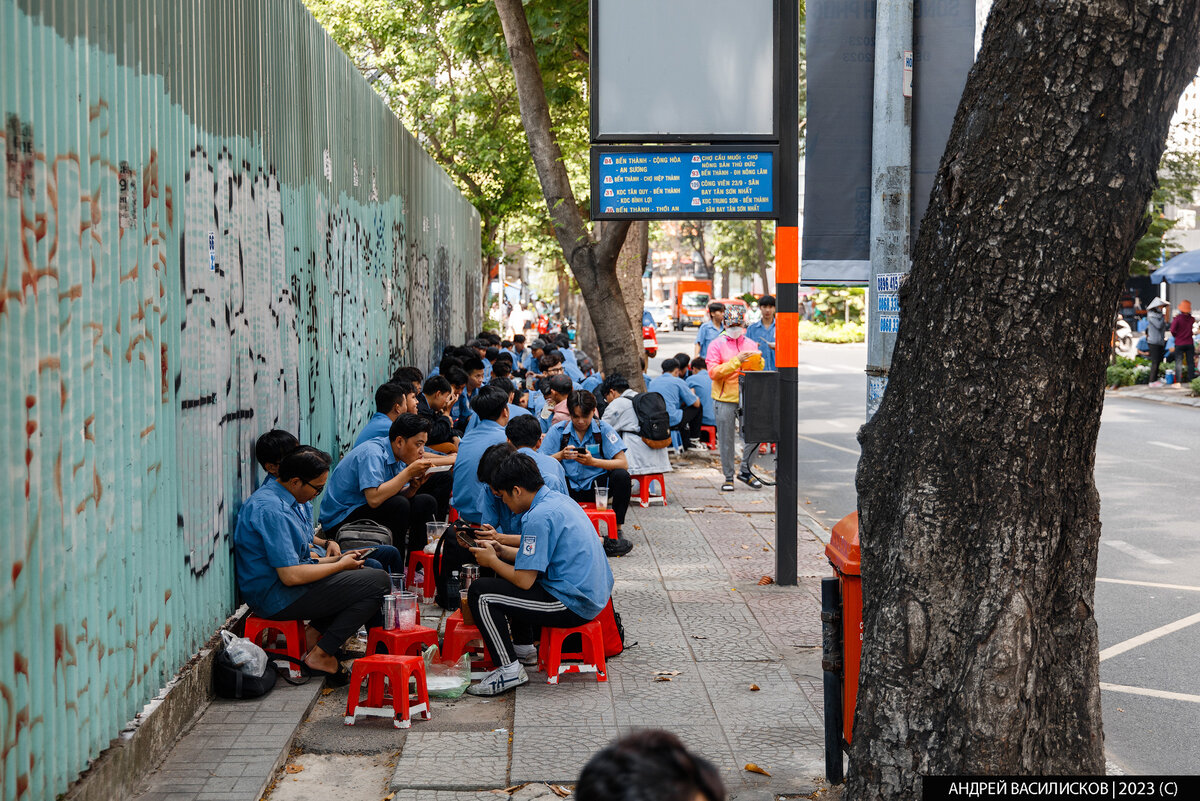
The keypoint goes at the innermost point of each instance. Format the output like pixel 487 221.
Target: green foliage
pixel 837 332
pixel 739 246
pixel 831 305
pixel 1118 375
pixel 1178 176
pixel 1195 386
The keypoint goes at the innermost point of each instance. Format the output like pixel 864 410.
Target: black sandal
pixel 338 678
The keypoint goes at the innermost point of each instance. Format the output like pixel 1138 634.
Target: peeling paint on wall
pixel 190 254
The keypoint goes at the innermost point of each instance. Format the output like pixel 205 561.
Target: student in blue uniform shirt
pixel 514 410
pixel 683 407
pixel 526 436
pixel 391 400
pixel 381 480
pixel 558 576
pixel 499 522
pixel 763 332
pixel 701 383
pixel 491 405
pixel 280 579
pixel 590 451
pixel 269 450
pixel 711 328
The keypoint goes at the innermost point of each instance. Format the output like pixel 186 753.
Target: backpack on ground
pixel 654 423
pixel 363 534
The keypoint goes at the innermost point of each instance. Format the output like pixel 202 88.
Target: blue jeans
pixel 386 558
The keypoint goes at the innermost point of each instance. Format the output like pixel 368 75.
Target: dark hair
pixel 581 399
pixel 490 403
pixel 519 338
pixel 502 369
pixel 448 362
pixel 408 425
pixel 615 381
pixel 766 300
pixel 490 336
pixel 272 446
pixel 523 431
pixel 435 384
pixel 479 343
pixel 491 459
pixel 561 384
pixel 699 364
pixel 503 383
pixel 548 359
pixel 472 364
pixel 649 765
pixel 506 343
pixel 491 354
pixel 683 359
pixel 305 463
pixel 408 375
pixel 669 366
pixel 716 305
pixel 456 376
pixel 391 393
pixel 518 470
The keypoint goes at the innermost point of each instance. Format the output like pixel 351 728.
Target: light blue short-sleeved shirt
pixel 366 466
pixel 559 542
pixel 581 476
pixel 465 496
pixel 498 516
pixel 675 392
pixel 701 384
pixel 380 425
pixel 273 530
pixel 513 411
pixel 705 336
pixel 550 468
pixel 763 334
pixel 592 382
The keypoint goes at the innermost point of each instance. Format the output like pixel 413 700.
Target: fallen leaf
pixel 666 673
pixel 637 528
pixel 808 501
pixel 293 768
pixel 699 637
pixel 745 547
pixel 388 797
pixel 767 549
pixel 326 690
pixel 559 790
pixel 765 580
pixel 1120 710
pixel 662 678
pixel 754 688
pixel 750 766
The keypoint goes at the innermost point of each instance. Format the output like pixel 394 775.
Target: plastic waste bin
pixel 843 554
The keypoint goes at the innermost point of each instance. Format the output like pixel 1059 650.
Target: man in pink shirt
pixel 730 354
pixel 1185 347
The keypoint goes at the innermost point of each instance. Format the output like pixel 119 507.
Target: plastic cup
pixel 601 498
pixel 406 610
pixel 434 530
pixel 465 609
pixel 397 580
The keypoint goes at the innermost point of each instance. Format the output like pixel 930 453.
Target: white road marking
pixel 1149 636
pixel 1150 584
pixel 1168 445
pixel 1136 552
pixel 816 368
pixel 1170 696
pixel 828 445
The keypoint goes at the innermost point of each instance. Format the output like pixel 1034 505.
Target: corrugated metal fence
pixel 210 227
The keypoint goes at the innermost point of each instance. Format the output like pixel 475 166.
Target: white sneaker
pixel 526 654
pixel 497 683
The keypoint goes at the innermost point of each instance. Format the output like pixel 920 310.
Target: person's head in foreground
pixel 649 765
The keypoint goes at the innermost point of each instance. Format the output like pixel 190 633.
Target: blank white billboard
pixel 683 68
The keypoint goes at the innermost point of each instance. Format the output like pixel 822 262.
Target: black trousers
pixel 1187 355
pixel 338 605
pixel 689 426
pixel 406 517
pixel 1156 357
pixel 619 486
pixel 439 487
pixel 507 614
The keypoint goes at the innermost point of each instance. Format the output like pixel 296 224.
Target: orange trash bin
pixel 843 553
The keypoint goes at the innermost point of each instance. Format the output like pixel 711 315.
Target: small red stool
pixel 590 658
pixel 400 643
pixel 293 634
pixel 410 575
pixel 708 435
pixel 457 642
pixel 644 483
pixel 393 701
pixel 607 516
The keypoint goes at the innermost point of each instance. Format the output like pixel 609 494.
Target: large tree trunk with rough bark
pixel 631 263
pixel 980 519
pixel 592 262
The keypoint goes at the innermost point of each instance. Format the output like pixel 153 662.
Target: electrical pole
pixel 891 185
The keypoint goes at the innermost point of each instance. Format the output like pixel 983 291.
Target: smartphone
pixel 370 552
pixel 580 449
pixel 466 540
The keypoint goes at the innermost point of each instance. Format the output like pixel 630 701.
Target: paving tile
pixel 453 760
pixel 556 754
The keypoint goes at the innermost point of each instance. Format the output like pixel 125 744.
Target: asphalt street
pixel 1148 580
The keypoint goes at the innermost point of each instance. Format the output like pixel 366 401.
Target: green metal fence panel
pixel 210 226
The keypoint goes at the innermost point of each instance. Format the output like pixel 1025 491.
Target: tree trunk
pixel 979 514
pixel 630 264
pixel 592 263
pixel 724 278
pixel 761 246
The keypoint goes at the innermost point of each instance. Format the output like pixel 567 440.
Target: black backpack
pixel 448 556
pixel 653 422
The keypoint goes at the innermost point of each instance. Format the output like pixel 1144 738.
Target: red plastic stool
pixel 457 642
pixel 393 701
pixel 708 435
pixel 426 562
pixel 450 518
pixel 590 658
pixel 293 634
pixel 606 516
pixel 400 643
pixel 644 483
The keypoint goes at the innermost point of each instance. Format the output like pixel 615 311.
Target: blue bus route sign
pixel 683 183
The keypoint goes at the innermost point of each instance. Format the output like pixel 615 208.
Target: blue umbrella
pixel 1183 269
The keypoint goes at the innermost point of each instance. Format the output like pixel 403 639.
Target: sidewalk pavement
pixel 743 683
pixel 1180 394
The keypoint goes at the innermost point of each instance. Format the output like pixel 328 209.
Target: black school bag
pixel 653 421
pixel 448 556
